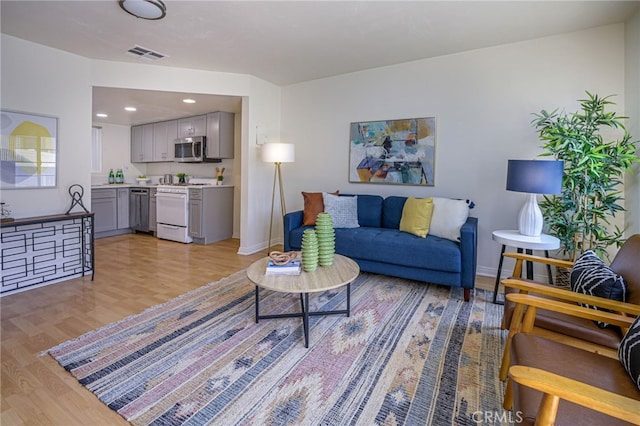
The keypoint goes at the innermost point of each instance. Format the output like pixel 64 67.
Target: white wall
pixel 483 101
pixel 39 80
pixel 48 81
pixel 632 110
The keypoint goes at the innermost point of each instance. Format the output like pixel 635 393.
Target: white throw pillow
pixel 448 217
pixel 343 210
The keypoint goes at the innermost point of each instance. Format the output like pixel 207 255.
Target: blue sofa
pixel 379 246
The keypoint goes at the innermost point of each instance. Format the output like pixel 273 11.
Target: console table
pixel 42 250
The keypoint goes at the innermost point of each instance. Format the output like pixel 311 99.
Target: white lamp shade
pixel 278 153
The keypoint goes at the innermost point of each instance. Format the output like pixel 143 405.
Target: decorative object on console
pixel 309 250
pixel 393 151
pixel 534 177
pixel 145 9
pixel 6 213
pixel 277 153
pixel 76 191
pixel 343 210
pixel 326 239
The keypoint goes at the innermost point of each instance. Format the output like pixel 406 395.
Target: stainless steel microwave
pixel 192 150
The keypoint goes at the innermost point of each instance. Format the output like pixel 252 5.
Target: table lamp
pixel 277 153
pixel 534 177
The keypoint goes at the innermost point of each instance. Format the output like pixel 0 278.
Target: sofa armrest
pixel 557 387
pixel 469 251
pixel 291 221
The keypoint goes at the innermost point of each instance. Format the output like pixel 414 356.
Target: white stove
pixel 172 209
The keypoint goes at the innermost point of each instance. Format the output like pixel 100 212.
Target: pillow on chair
pixel 591 276
pixel 629 352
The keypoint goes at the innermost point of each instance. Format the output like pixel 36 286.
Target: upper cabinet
pixel 142 143
pixel 192 126
pixel 164 135
pixel 154 142
pixel 220 130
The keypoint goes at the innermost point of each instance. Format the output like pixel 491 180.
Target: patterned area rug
pixel 409 354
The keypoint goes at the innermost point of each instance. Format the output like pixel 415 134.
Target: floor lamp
pixel 277 153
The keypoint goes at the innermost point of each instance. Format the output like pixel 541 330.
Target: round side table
pixel 513 238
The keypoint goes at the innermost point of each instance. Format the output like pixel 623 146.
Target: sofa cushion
pixel 343 210
pixel 399 248
pixel 313 204
pixel 590 275
pixel 369 210
pixel 392 211
pixel 448 217
pixel 629 352
pixel 416 216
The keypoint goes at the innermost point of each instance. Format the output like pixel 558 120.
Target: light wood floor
pixel 133 272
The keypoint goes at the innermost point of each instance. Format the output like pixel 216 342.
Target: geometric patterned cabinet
pixel 43 250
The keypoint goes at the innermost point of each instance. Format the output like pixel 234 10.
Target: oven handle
pixel 170 195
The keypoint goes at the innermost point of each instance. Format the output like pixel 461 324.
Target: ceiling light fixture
pixel 101 115
pixel 189 101
pixel 145 9
pixel 130 109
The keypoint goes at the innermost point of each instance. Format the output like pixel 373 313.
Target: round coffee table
pixel 343 272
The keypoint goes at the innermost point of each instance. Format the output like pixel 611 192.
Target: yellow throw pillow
pixel 416 216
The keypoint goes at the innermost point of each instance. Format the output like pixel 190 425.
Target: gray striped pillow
pixel 629 352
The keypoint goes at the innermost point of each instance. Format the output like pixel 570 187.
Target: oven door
pixel 172 208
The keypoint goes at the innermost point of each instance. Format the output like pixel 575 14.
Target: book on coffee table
pixel 291 268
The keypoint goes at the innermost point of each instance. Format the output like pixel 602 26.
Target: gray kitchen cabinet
pixel 164 135
pixel 210 214
pixel 152 209
pixel 142 143
pixel 220 134
pixel 192 126
pixel 104 204
pixel 123 208
pixel 111 209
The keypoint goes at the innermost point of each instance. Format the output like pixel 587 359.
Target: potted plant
pixel 581 216
pixel 182 177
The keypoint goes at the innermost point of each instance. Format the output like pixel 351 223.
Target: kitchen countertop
pixel 121 185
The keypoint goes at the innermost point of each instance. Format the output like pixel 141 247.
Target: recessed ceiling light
pixel 189 101
pixel 130 109
pixel 101 115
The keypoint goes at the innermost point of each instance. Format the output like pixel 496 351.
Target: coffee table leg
pixel 305 319
pixel 349 299
pixel 257 304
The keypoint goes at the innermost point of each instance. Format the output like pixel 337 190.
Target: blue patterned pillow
pixel 591 276
pixel 343 210
pixel 629 352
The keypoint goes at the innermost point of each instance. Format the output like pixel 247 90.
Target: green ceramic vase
pixel 309 250
pixel 326 239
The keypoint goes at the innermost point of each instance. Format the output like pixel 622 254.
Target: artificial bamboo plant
pixel 581 216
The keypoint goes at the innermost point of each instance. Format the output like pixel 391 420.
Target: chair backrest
pixel 627 264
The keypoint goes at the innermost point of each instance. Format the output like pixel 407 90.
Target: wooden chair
pixel 570 329
pixel 551 383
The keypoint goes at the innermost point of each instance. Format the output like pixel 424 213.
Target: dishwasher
pixel 139 209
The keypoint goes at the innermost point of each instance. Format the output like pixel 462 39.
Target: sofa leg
pixel 467 294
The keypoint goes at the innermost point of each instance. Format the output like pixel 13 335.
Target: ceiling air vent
pixel 146 54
